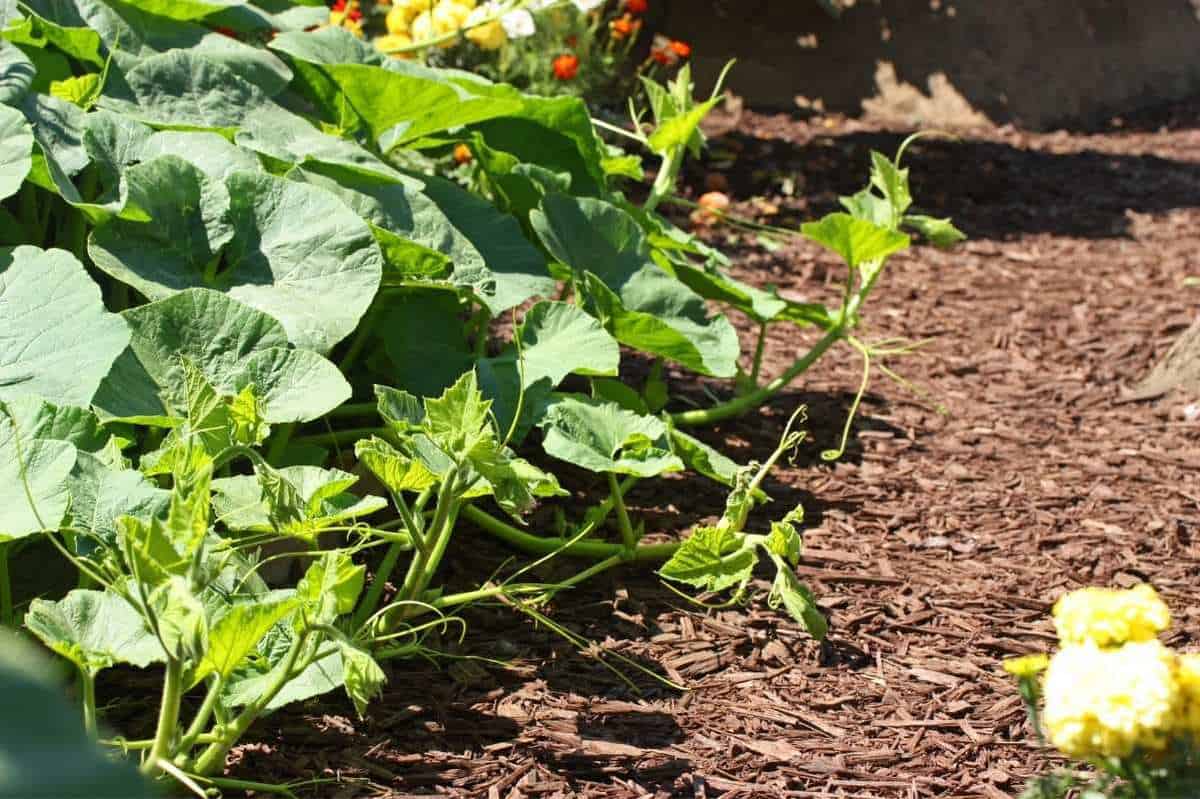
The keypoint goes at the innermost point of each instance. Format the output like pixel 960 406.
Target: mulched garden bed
pixel 937 544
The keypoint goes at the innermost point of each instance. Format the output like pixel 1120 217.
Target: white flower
pixel 518 24
pixel 587 5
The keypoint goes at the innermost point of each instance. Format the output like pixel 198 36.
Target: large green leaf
pixel 291 139
pixel 249 684
pixel 556 339
pixel 183 89
pixel 212 153
pixel 56 339
pixel 44 751
pixel 640 304
pixel 291 250
pixel 233 345
pixel 34 492
pixel 94 630
pixel 101 494
pixel 16 148
pixel 36 418
pixel 424 340
pixel 184 9
pixel 16 73
pixel 405 104
pixel 604 437
pixel 93 30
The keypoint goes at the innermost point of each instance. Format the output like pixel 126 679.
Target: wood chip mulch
pixel 937 544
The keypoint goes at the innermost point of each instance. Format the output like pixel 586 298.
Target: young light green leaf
pixel 940 232
pixel 364 679
pixel 460 418
pixel 604 437
pixel 57 341
pixel 799 601
pixel 712 559
pixel 330 587
pixel 180 618
pixel 94 630
pixel 856 240
pixel 681 130
pixel 892 182
pixel 400 410
pixel 397 471
pixel 100 495
pixel 236 631
pixel 702 458
pixel 299 501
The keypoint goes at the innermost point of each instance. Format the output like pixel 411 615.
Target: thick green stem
pixel 168 716
pixel 87 696
pixel 213 758
pixel 370 602
pixel 339 437
pixel 664 183
pixel 6 600
pixel 279 443
pixel 627 535
pixel 199 722
pixel 542 545
pixel 756 369
pixel 354 410
pixel 365 328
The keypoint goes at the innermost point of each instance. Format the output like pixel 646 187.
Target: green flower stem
pixel 87 697
pixel 542 545
pixel 664 183
pixel 339 437
pixel 168 716
pixel 354 410
pixel 480 594
pixel 213 758
pixel 627 534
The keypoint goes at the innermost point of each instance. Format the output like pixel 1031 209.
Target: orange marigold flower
pixel 622 27
pixel 462 154
pixel 637 6
pixel 662 52
pixel 566 66
pixel 681 49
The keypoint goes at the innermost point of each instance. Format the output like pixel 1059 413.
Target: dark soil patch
pixel 936 545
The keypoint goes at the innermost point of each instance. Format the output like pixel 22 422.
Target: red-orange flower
pixel 566 66
pixel 637 6
pixel 462 154
pixel 348 7
pixel 681 49
pixel 622 27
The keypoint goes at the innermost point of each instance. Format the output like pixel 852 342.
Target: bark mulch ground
pixel 936 545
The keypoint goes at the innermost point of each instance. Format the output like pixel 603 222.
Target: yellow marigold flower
pixel 1109 617
pixel 1109 702
pixel 399 20
pixel 1027 666
pixel 1187 676
pixel 486 37
pixel 392 42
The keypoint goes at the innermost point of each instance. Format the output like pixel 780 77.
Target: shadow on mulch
pixel 992 189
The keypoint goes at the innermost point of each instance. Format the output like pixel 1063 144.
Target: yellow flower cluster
pixel 1112 689
pixel 1107 617
pixel 1110 702
pixel 414 21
